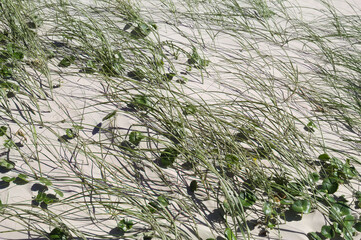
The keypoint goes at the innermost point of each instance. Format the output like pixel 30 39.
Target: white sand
pixel 80 99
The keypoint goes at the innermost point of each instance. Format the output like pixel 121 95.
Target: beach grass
pixel 179 119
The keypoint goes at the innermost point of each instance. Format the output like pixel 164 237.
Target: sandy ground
pixel 80 99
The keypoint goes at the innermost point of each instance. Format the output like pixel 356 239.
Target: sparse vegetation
pixel 160 119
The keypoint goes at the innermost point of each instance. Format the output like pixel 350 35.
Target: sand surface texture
pixel 121 107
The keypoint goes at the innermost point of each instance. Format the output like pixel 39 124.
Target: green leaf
pixel 69 132
pixel 141 31
pixel 330 185
pixel 168 76
pixel 141 102
pixel 9 144
pixel 302 206
pixel 22 176
pixel 168 156
pixel 357 226
pixel 229 234
pixel 67 61
pixel 314 177
pixel 40 197
pixel 50 198
pixel 328 231
pixel 58 234
pixel 287 201
pixel 348 221
pixel 247 198
pixel 110 115
pixel 231 159
pixel 163 200
pixel 21 179
pixel 45 181
pixel 18 55
pixel 324 157
pixel 267 209
pixel 339 210
pixel 60 193
pixel 8 179
pixel 313 236
pixel 3 130
pixel 6 164
pixel 125 224
pixel 135 137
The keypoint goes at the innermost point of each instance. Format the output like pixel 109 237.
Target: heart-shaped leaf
pixel 135 137
pixel 330 185
pixel 302 206
pixel 168 156
pixel 328 231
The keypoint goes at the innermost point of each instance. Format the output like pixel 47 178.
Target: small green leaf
pixel 231 159
pixel 67 61
pixel 125 224
pixel 18 55
pixel 21 179
pixel 141 31
pixel 357 226
pixel 8 165
pixel 40 197
pixel 287 201
pixel 168 156
pixel 348 221
pixel 163 200
pixel 328 231
pixel 330 185
pixel 8 179
pixel 3 130
pixel 168 76
pixel 302 206
pixel 60 193
pixel 324 157
pixel 339 210
pixel 110 115
pixel 9 144
pixel 69 132
pixel 313 236
pixel 45 181
pixel 22 176
pixel 50 198
pixel 140 102
pixel 267 209
pixel 247 198
pixel 135 137
pixel 58 234
pixel 229 234
pixel 314 177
